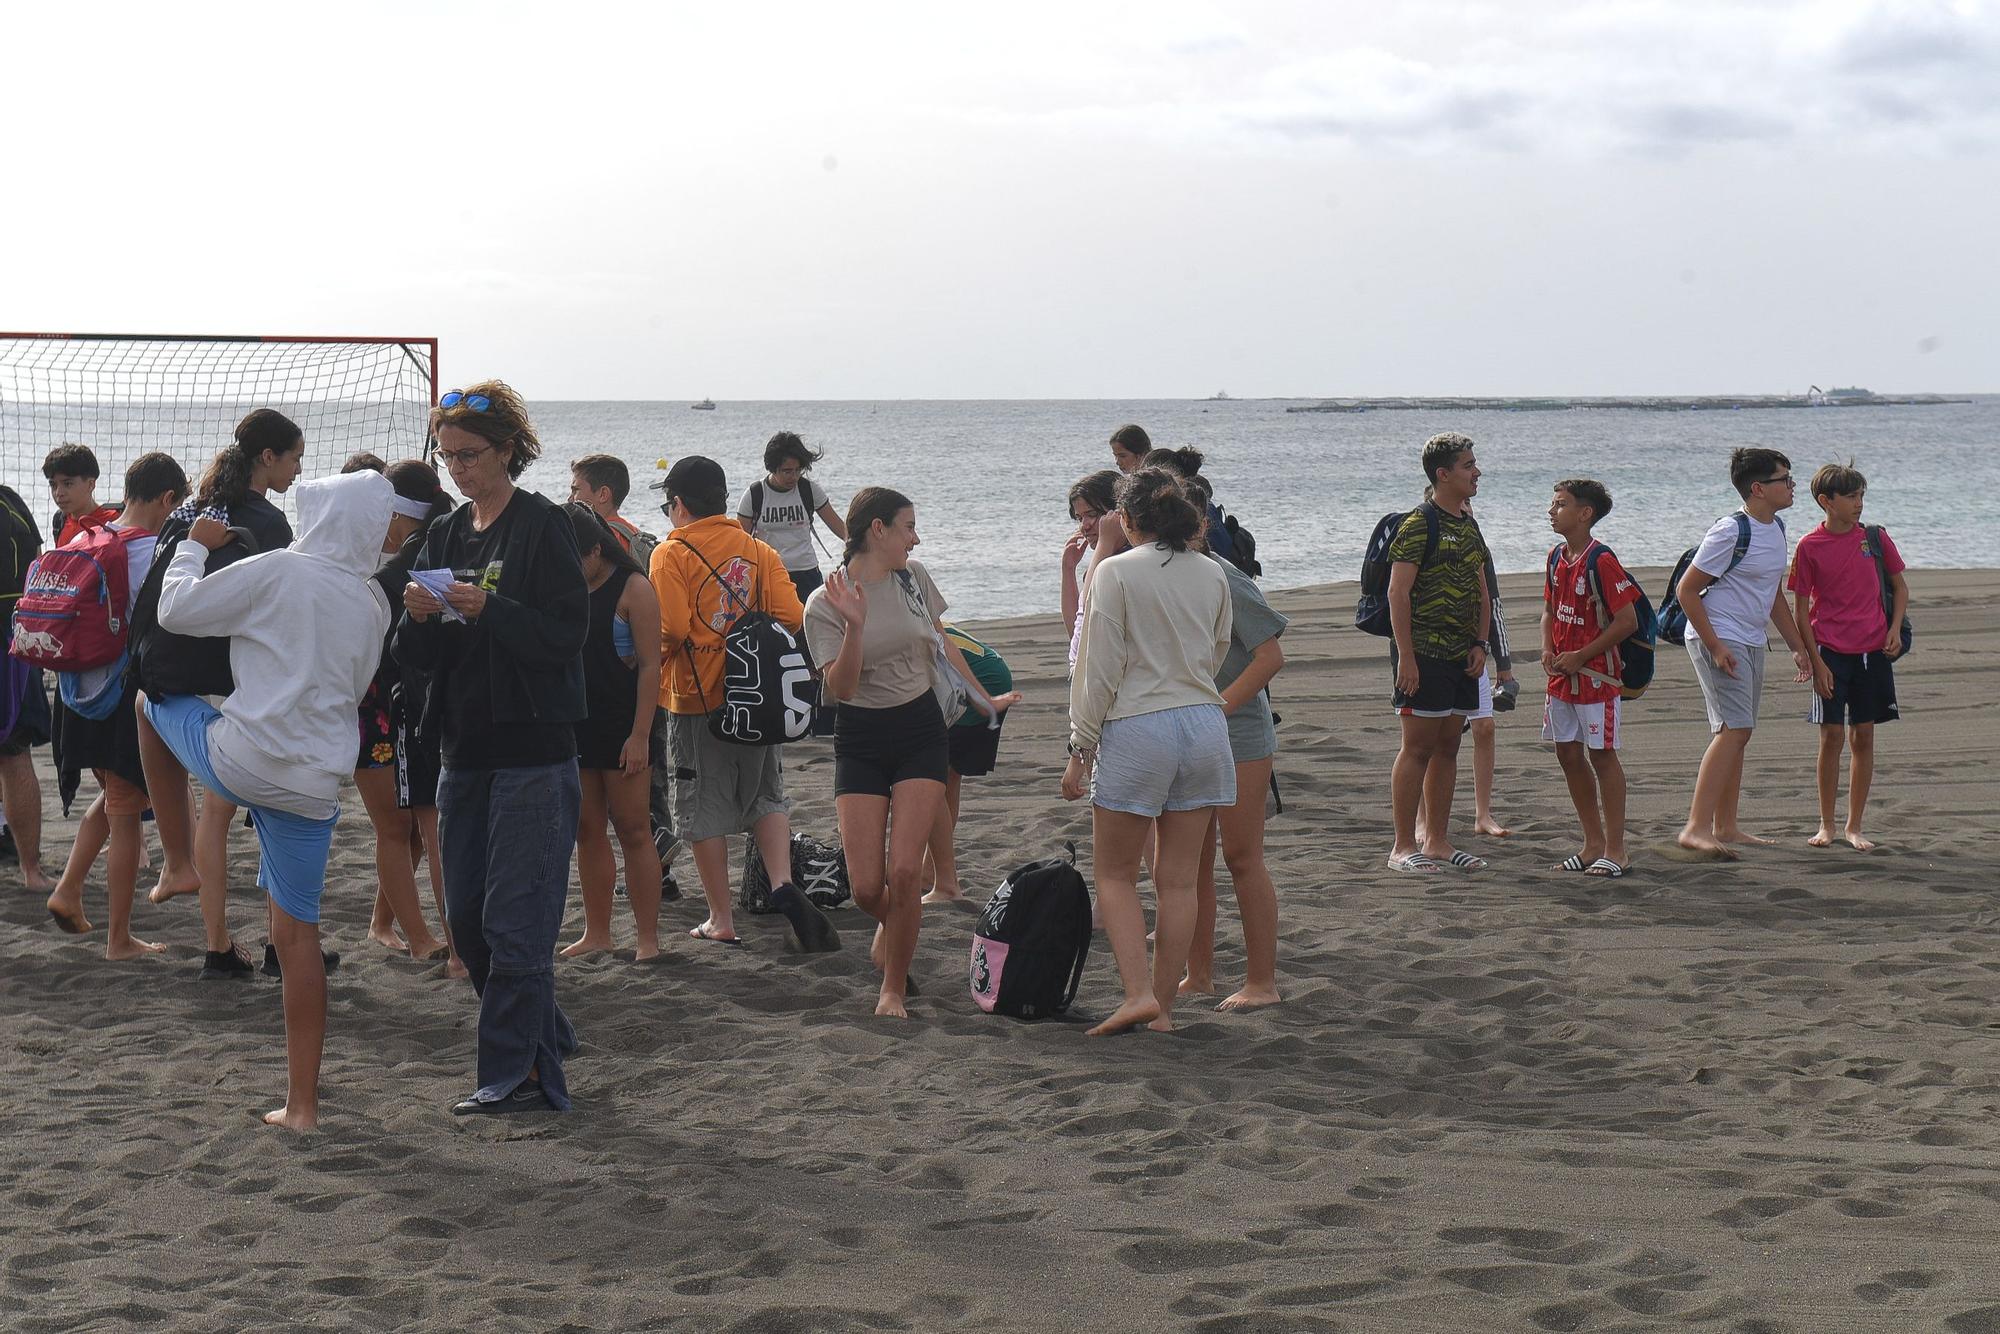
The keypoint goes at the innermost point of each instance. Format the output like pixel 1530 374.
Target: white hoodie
pixel 305 626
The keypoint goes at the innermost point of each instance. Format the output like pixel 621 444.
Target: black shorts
pixel 805 581
pixel 973 750
pixel 875 749
pixel 1443 689
pixel 1864 690
pixel 35 723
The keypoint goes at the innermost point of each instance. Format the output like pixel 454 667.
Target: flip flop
pixel 1569 863
pixel 1465 861
pixel 703 932
pixel 1414 864
pixel 1606 868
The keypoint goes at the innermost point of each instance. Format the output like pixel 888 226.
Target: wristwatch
pixel 1075 752
pixel 1482 646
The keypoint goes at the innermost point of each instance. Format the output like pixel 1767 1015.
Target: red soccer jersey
pixel 97 518
pixel 1577 621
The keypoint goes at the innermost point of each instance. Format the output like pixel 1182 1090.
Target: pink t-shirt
pixel 1837 571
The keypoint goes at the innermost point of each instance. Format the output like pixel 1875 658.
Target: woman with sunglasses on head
pixel 502 646
pixel 875 628
pixel 265 454
pixel 1147 733
pixel 405 829
pixel 621 678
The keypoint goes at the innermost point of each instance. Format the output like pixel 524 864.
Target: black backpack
pixel 818 869
pixel 1371 613
pixel 176 664
pixel 1029 948
pixel 768 691
pixel 1230 540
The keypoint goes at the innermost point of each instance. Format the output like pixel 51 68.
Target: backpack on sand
pixel 818 869
pixel 1029 948
pixel 768 692
pixel 1673 617
pixel 1371 613
pixel 1636 650
pixel 71 615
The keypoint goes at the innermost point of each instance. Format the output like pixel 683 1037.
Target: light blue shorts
pixel 1173 760
pixel 294 849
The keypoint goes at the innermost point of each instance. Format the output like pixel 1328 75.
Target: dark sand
pixel 1757 1097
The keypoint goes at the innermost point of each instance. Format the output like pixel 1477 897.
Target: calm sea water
pixel 990 478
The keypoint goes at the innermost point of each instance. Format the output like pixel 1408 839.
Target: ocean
pixel 990 478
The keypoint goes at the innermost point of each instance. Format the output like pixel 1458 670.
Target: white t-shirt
pixel 1739 603
pixel 784 522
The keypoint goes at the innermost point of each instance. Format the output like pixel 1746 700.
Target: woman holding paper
pixel 495 613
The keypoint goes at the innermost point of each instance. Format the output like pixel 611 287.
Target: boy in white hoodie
pixel 305 625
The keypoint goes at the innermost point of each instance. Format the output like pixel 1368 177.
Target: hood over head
pixel 345 519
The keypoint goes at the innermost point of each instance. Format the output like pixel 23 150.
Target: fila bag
pixel 767 684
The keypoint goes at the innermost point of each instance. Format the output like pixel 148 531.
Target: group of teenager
pixel 510 680
pixel 1845 628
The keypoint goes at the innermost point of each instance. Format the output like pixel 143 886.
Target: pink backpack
pixel 71 615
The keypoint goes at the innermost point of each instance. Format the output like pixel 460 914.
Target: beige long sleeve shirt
pixel 1155 629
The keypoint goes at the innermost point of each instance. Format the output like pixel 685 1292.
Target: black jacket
pixel 535 622
pixel 172 664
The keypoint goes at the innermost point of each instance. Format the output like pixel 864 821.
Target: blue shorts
pixel 293 848
pixel 1172 760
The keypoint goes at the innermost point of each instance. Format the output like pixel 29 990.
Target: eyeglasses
pixel 1785 478
pixel 462 456
pixel 458 397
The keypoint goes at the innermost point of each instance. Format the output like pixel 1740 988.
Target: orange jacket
pixel 693 616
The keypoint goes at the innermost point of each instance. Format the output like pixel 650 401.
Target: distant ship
pixel 706 405
pixel 1219 396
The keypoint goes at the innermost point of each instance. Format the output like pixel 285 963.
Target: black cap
pixel 694 475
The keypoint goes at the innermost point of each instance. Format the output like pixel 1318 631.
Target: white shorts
pixel 1595 725
pixel 1485 709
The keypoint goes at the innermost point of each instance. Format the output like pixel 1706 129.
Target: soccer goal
pixel 128 394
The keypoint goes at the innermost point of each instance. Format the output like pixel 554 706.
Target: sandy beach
pixel 1756 1097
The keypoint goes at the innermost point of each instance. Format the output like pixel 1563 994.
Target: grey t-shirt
pixel 1252 736
pixel 897 644
pixel 786 520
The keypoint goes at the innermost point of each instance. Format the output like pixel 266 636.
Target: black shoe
pixel 815 932
pixel 670 888
pixel 8 852
pixel 526 1097
pixel 232 962
pixel 329 960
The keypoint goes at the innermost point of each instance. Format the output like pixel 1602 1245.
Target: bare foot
pixel 942 895
pixel 1861 842
pixel 647 951
pixel 69 916
pixel 888 1005
pixel 35 880
pixel 1492 829
pixel 1192 986
pixel 1164 1024
pixel 387 938
pixel 1705 847
pixel 455 969
pixel 1822 838
pixel 173 884
pixel 1127 1016
pixel 1251 998
pixel 299 1121
pixel 585 946
pixel 130 948
pixel 1746 840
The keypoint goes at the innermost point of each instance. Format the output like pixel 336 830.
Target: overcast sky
pixel 1032 200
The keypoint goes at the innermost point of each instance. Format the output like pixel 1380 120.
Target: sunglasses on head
pixel 459 398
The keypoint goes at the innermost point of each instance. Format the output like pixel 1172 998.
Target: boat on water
pixel 706 405
pixel 1220 396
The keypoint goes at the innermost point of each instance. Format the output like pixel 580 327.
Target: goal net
pixel 126 395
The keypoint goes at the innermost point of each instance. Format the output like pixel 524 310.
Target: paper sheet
pixel 434 582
